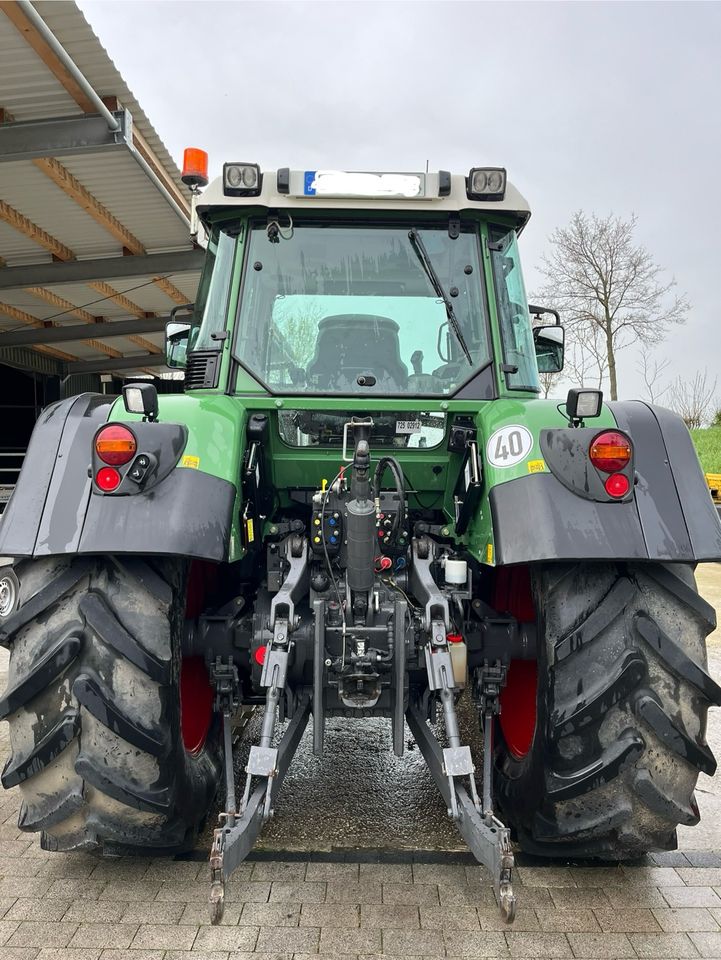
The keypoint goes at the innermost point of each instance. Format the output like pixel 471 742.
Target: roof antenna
pixel 426 166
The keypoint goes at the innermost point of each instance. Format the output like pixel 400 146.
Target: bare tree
pixel 296 329
pixel 587 359
pixel 694 400
pixel 651 372
pixel 603 281
pixel 548 382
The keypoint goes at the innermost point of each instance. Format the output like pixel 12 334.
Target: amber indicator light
pixel 610 451
pixel 115 445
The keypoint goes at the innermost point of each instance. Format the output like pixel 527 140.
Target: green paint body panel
pixel 216 425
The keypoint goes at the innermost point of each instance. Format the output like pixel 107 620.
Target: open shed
pixel 95 247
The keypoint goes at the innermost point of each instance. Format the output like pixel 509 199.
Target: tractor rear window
pixel 336 309
pixel 324 428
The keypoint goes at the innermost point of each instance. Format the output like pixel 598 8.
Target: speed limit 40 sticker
pixel 509 445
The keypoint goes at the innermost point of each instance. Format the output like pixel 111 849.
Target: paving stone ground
pixel 80 907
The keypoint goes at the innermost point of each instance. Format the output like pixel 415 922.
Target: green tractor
pixel 359 507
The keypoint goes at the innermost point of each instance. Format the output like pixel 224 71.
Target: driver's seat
pixel 350 345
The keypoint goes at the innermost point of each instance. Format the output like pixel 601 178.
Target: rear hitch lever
pixel 487 837
pixel 235 835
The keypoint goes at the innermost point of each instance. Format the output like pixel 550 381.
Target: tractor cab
pixel 363 285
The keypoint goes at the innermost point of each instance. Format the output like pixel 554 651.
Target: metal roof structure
pixel 95 245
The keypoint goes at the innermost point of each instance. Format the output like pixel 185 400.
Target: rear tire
pixel 93 703
pixel 622 700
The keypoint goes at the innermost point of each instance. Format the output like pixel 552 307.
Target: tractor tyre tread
pixel 94 711
pixel 623 696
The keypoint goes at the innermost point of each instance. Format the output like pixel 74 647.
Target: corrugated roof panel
pixel 122 344
pixel 134 286
pixel 35 196
pixel 28 89
pixel 149 297
pixel 16 248
pixel 142 292
pixel 87 299
pixel 22 300
pixel 118 182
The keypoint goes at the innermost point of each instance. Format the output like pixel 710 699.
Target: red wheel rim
pixel 196 693
pixel 518 707
pixel 196 703
pixel 512 594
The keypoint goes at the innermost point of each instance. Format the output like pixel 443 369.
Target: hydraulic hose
pixel 390 463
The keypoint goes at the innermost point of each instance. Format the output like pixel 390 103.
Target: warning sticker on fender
pixel 192 462
pixel 536 466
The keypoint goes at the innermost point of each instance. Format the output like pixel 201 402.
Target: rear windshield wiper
pixel 419 248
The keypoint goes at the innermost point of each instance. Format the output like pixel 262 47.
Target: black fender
pixel 669 518
pixel 55 508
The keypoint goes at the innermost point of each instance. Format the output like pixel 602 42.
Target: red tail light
pixel 259 655
pixel 115 445
pixel 108 479
pixel 617 485
pixel 610 451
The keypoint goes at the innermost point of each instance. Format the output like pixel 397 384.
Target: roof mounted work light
pixel 486 183
pixel 241 179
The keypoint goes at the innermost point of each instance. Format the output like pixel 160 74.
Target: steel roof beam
pixel 122 363
pixel 63 136
pixel 110 268
pixel 79 331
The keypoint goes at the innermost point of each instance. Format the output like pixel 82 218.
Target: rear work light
pixel 241 179
pixel 486 183
pixel 610 452
pixel 115 445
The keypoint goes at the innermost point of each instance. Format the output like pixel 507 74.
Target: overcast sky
pixel 608 107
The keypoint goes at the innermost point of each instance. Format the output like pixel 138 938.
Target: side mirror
pixel 549 343
pixel 177 335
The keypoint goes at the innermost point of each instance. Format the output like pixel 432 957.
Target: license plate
pixel 408 426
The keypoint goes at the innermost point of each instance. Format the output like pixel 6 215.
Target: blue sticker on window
pixel 308 188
